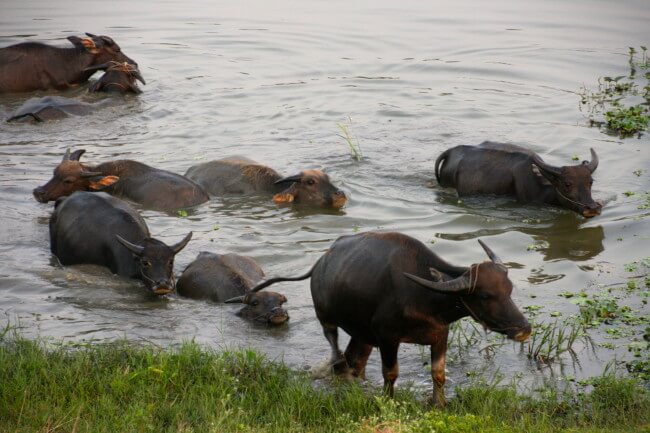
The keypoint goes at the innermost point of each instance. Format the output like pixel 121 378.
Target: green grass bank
pixel 121 387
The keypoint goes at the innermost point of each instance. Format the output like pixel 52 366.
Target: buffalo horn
pixel 66 155
pixel 179 246
pixel 294 178
pixel 545 167
pixel 457 285
pixel 136 73
pixel 593 164
pixel 91 173
pixel 235 300
pixel 490 253
pixel 135 249
pixel 76 155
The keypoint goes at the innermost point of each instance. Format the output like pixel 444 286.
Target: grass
pixel 606 104
pixel 353 144
pixel 127 388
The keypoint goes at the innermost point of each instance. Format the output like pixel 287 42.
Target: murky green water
pixel 271 81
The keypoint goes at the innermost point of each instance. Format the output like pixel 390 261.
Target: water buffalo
pixel 384 289
pixel 99 229
pixel 30 66
pixel 151 187
pixel 240 175
pixel 118 78
pixel 228 278
pixel 54 108
pixel 506 169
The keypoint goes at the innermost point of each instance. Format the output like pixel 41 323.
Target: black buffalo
pixel 228 278
pixel 30 66
pixel 54 108
pixel 96 228
pixel 151 187
pixel 384 289
pixel 506 169
pixel 118 78
pixel 240 175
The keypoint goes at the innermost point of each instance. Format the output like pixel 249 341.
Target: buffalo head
pixel 484 290
pixel 119 77
pixel 573 184
pixel 310 187
pixel 156 262
pixel 263 307
pixel 70 176
pixel 102 48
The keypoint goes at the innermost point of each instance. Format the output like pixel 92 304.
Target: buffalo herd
pixel 381 288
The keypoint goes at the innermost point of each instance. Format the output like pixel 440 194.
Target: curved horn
pixel 593 164
pixel 235 300
pixel 294 178
pixel 98 67
pixel 456 286
pixel 66 155
pixel 135 249
pixel 490 253
pixel 136 73
pixel 179 246
pixel 91 173
pixel 90 35
pixel 544 166
pixel 76 155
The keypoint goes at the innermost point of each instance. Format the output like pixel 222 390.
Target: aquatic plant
pixel 549 341
pixel 353 144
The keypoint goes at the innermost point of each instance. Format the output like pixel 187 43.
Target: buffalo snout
pixel 520 334
pixel 339 199
pixel 40 194
pixel 592 210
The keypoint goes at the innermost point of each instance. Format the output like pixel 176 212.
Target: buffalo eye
pixel 146 263
pixel 483 296
pixel 255 303
pixel 68 180
pixel 567 184
pixel 311 182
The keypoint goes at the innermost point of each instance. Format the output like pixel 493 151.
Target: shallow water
pixel 271 81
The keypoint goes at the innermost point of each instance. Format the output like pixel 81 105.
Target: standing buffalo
pixel 33 66
pixel 99 229
pixel 118 78
pixel 151 187
pixel 506 169
pixel 239 175
pixel 384 289
pixel 228 278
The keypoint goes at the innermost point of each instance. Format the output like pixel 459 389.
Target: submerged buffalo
pixel 506 169
pixel 118 78
pixel 228 278
pixel 384 289
pixel 135 181
pixel 54 108
pixel 96 228
pixel 30 66
pixel 240 175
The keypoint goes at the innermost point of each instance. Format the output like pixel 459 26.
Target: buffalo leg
pixel 438 355
pixel 356 355
pixel 389 365
pixel 337 359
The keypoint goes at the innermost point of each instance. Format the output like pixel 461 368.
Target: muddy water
pixel 271 81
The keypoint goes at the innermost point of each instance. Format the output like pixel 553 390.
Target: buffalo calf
pixel 228 278
pixel 239 175
pixel 506 169
pixel 132 180
pixel 96 228
pixel 385 289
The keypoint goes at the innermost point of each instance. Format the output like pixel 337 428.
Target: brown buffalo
pixel 151 187
pixel 506 169
pixel 30 66
pixel 385 289
pixel 228 278
pixel 240 175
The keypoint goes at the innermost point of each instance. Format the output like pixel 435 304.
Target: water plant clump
pixel 353 144
pixel 621 105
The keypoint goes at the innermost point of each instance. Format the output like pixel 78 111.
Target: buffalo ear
pixel 76 41
pixel 103 182
pixel 85 43
pixel 283 198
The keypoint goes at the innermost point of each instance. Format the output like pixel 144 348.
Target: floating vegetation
pixel 355 148
pixel 621 105
pixel 549 341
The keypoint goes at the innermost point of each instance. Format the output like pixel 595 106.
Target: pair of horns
pixel 457 285
pixel 591 165
pixel 139 250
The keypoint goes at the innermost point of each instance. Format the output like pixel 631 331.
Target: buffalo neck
pixel 74 61
pixel 120 168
